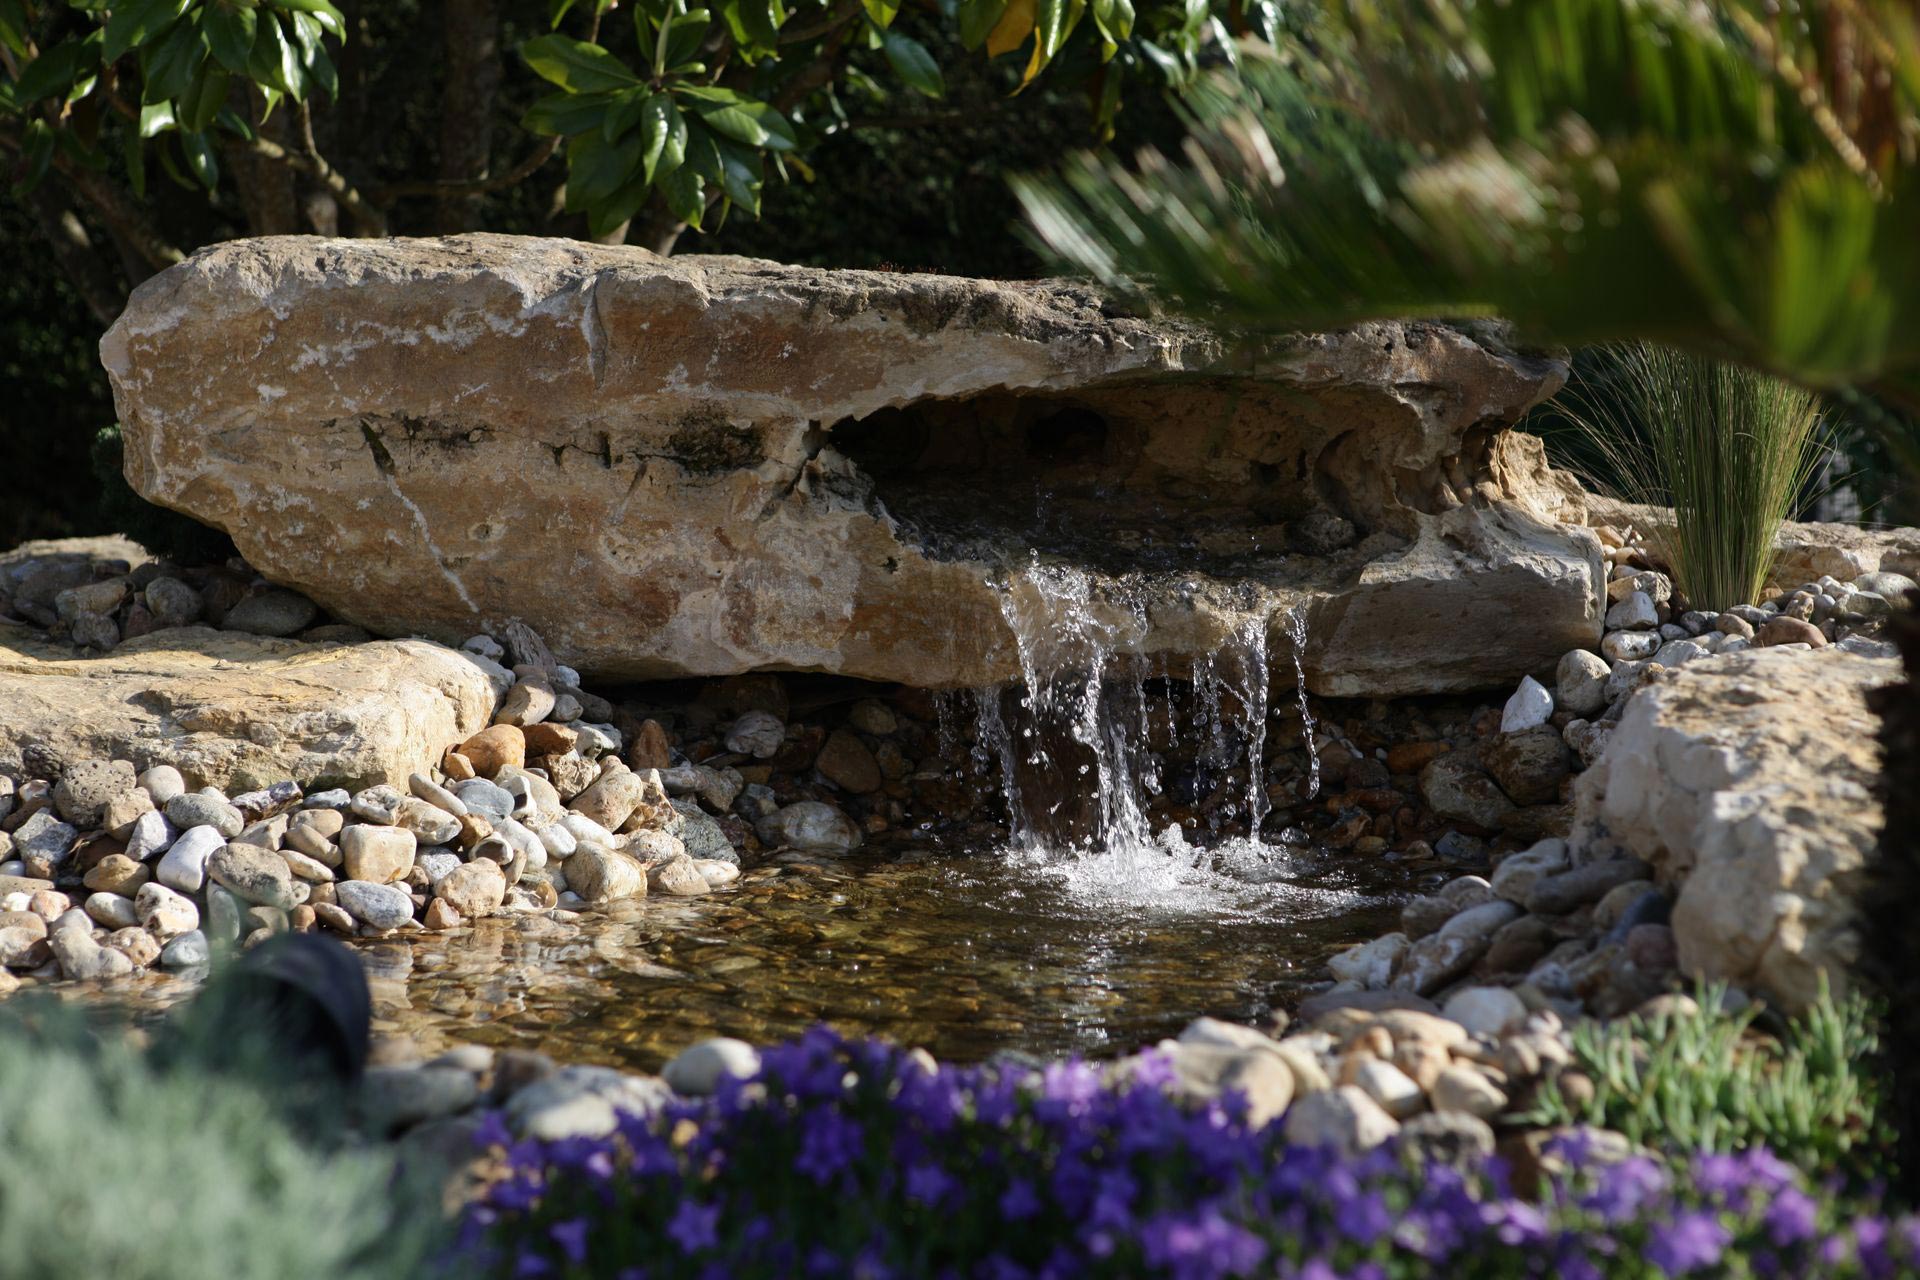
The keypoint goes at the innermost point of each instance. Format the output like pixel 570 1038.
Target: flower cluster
pixel 855 1159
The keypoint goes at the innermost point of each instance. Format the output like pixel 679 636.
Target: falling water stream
pixel 1083 730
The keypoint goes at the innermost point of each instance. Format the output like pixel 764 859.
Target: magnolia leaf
pixel 686 195
pixel 741 118
pixel 913 64
pixel 135 22
pixel 565 114
pixel 575 65
pixel 54 71
pixel 230 36
pixel 170 65
pixel 1013 28
pixel 200 158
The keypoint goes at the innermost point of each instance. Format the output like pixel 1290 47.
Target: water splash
pixel 1072 742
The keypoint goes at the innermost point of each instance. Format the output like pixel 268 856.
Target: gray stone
pixel 165 913
pixel 1676 653
pixel 1635 611
pixel 810 826
pixel 697 1070
pixel 1629 646
pixel 702 836
pixel 187 951
pixel 111 910
pixel 274 612
pixel 84 960
pixel 255 875
pixel 393 1099
pixel 43 840
pixel 1530 707
pixel 435 794
pixel 1486 1011
pixel 382 906
pixel 551 1108
pixel 1558 894
pixel 184 865
pixel 1581 681
pixel 1516 875
pixel 1455 786
pixel 757 734
pixel 484 799
pixel 1370 964
pixel 85 787
pixel 205 809
pixel 1447 1137
pixel 172 603
pixel 1529 765
pixel 1344 1118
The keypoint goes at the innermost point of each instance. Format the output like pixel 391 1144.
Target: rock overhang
pixel 699 466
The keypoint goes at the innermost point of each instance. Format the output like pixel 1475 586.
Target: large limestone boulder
pixel 705 465
pixel 237 711
pixel 1747 782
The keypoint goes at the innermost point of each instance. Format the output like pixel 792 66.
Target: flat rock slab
pixel 240 712
pixel 709 465
pixel 1748 783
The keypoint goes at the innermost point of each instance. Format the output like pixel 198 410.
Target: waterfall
pixel 1071 742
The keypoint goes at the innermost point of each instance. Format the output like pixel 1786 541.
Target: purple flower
pixel 1791 1217
pixel 694 1226
pixel 1625 1188
pixel 1019 1201
pixel 829 1141
pixel 929 1183
pixel 492 1131
pixel 1691 1242
pixel 571 1236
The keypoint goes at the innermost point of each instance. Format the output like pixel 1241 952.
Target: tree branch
pixel 99 286
pixel 372 219
pixel 441 187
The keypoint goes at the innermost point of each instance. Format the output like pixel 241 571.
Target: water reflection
pixel 965 954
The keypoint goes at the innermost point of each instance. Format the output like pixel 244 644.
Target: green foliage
pixel 1736 179
pixel 110 1166
pixel 166 534
pixel 707 98
pixel 1730 450
pixel 1707 1081
pixel 159 69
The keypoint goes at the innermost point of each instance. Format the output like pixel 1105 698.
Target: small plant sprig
pixel 1688 1081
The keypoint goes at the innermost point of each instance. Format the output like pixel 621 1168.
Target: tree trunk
pixel 266 186
pixel 472 33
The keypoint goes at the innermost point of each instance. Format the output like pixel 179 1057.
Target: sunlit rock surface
pixel 705 465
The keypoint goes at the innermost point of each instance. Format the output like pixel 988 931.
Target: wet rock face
pixel 710 465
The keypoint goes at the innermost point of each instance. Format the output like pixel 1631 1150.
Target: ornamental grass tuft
pixel 1731 450
pixel 856 1159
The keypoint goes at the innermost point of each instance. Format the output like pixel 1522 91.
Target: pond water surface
pixel 966 954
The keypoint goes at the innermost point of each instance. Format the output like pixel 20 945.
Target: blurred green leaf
pixel 200 159
pixel 230 35
pixel 170 65
pixel 913 64
pixel 134 22
pixel 55 70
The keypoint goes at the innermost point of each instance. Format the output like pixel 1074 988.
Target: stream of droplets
pixel 1080 640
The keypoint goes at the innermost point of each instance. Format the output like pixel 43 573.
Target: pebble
pixel 1344 1118
pixel 494 748
pixel 528 702
pixel 1391 1087
pixel 1486 1011
pixel 111 910
pixel 484 799
pixel 381 906
pixel 43 840
pixel 117 873
pixel 474 889
pixel 1530 707
pixel 125 809
pixel 810 827
pixel 757 733
pixel 598 874
pixel 1784 630
pixel 164 913
pixel 274 612
pixel 1675 653
pixel 85 960
pixel 136 944
pixel 435 794
pixel 1461 1088
pixel 391 1099
pixel 1634 612
pixel 186 951
pixel 257 876
pixel 172 603
pixel 1372 964
pixel 377 854
pixel 205 809
pixel 85 788
pixel 1581 682
pixel 696 1071
pixel 1629 646
pixel 184 865
pixel 679 878
pixel 1559 894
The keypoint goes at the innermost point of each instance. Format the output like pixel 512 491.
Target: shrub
pixel 163 533
pixel 1731 450
pixel 857 1159
pixel 111 1166
pixel 1701 1081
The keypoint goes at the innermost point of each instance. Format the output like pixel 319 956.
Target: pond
pixel 964 953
